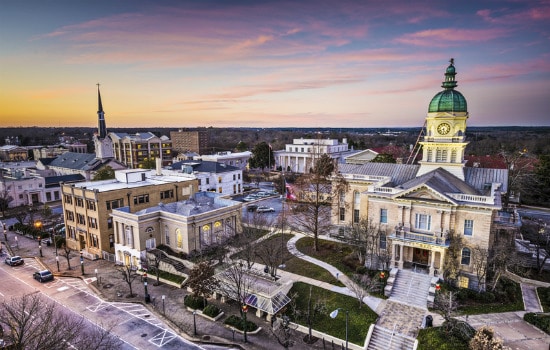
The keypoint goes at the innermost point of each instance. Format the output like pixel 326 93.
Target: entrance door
pixel 420 256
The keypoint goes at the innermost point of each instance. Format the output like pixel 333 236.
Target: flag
pixel 289 192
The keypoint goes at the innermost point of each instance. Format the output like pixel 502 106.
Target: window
pixel 167 194
pixel 94 241
pixel 234 177
pixel 430 155
pixel 48 196
pixel 383 216
pixel 116 203
pixel 465 256
pixel 179 239
pixel 441 156
pixel 342 214
pixel 92 222
pixel 69 215
pixel 166 235
pixel 219 179
pixel 90 205
pixel 383 241
pixel 200 182
pixel 208 181
pixel 356 216
pixel 468 227
pixel 453 156
pixel 80 219
pixel 356 199
pixel 220 190
pixel 423 222
pixel 79 202
pixel 144 198
pixel 68 199
pixel 72 232
pixel 110 222
pixel 342 197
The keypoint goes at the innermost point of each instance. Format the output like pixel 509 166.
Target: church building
pixel 416 207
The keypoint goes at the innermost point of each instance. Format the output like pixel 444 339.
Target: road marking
pixel 62 288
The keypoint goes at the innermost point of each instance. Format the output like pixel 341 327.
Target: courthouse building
pixel 416 207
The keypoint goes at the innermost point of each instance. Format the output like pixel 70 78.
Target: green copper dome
pixel 448 100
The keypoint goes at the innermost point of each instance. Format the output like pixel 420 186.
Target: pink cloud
pixel 449 36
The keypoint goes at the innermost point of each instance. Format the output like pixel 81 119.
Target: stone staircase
pixel 386 339
pixel 411 288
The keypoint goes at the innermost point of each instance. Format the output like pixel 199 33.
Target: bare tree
pixel 201 280
pixel 446 303
pixel 66 252
pixel 480 261
pixel 502 256
pixel 364 237
pixel 310 315
pixel 31 322
pixel 128 274
pixel 363 284
pixel 271 253
pixel 315 193
pixel 537 233
pixel 252 223
pixel 154 258
pixel 283 331
pixel 520 171
pixel 235 283
pixel 451 265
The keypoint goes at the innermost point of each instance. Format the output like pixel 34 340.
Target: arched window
pixel 166 235
pixel 206 234
pixel 356 199
pixel 465 256
pixel 179 239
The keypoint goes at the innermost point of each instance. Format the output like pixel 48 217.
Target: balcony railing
pixel 430 238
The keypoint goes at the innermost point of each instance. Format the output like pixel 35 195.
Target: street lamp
pixel 194 322
pixel 147 299
pixel 334 313
pixel 82 262
pixel 5 234
pixel 163 311
pixel 57 261
pixel 245 310
pixel 40 246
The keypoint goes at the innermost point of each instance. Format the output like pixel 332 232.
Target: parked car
pixel 43 276
pixel 249 198
pixel 252 208
pixel 14 260
pixel 262 194
pixel 264 209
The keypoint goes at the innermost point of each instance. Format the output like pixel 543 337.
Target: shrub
pixel 211 310
pixel 238 322
pixel 194 302
pixel 538 320
pixel 361 270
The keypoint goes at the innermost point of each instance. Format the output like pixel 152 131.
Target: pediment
pixel 423 192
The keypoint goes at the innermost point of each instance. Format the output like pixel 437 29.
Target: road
pixel 131 322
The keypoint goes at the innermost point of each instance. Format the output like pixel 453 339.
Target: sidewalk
pixel 172 310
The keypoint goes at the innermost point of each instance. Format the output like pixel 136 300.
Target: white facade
pixel 23 187
pixel 300 156
pixel 237 159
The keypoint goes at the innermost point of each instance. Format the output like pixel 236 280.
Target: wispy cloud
pixel 450 36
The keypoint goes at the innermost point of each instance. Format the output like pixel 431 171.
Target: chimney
pixel 158 162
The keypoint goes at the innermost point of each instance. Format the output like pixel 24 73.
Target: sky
pixel 343 64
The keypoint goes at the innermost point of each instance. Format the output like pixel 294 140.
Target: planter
pixel 199 312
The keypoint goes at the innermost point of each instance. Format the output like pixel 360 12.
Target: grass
pixel 506 297
pixel 435 339
pixel 334 253
pixel 544 297
pixel 359 319
pixel 298 266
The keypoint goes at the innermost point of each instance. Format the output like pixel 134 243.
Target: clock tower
pixel 444 142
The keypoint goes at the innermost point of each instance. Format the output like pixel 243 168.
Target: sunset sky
pixel 270 63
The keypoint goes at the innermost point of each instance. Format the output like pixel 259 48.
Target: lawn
pixel 544 297
pixel 339 255
pixel 359 319
pixel 296 265
pixel 436 339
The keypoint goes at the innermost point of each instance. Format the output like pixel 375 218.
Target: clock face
pixel 443 128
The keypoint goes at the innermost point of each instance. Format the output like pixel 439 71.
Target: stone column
pixel 432 259
pixel 401 258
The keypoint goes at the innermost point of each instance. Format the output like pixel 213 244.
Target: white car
pixel 264 209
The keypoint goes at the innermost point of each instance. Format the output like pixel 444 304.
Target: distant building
pixel 236 159
pixel 13 153
pixel 187 226
pixel 300 156
pixel 139 151
pixel 87 206
pixel 190 141
pixel 213 176
pixel 86 164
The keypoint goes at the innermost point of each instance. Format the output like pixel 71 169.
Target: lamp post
pixel 56 255
pixel 245 310
pixel 57 262
pixel 82 262
pixel 38 226
pixel 194 322
pixel 145 286
pixel 163 310
pixel 5 234
pixel 334 313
